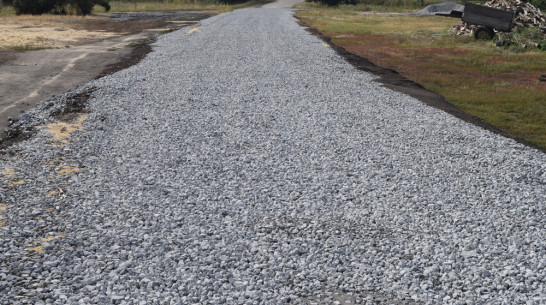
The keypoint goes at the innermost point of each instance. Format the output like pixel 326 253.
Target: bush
pixel 38 7
pixel 84 6
pixel 103 3
pixel 230 2
pixel 336 2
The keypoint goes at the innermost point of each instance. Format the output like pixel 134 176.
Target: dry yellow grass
pixel 27 32
pixel 61 131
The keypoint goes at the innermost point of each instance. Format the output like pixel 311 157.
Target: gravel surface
pixel 244 162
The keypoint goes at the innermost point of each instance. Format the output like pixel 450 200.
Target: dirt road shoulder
pixel 31 77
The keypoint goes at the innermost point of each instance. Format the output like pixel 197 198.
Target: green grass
pixel 7 11
pixel 498 85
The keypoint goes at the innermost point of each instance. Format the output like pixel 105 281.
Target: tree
pixel 38 7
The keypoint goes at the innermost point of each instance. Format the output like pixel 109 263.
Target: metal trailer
pixel 488 19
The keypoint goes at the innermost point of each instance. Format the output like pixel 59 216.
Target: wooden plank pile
pixel 527 15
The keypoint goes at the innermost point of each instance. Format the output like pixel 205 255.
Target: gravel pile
pixel 244 162
pixel 441 9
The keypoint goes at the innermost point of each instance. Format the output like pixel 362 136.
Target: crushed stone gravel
pixel 244 162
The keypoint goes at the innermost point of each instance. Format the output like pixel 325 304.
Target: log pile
pixel 527 15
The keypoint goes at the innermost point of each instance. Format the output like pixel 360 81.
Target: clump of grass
pixel 376 5
pixel 22 48
pixel 7 11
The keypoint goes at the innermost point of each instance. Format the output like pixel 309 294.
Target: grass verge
pixel 165 6
pixel 499 86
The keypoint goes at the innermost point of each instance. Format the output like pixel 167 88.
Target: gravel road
pixel 245 162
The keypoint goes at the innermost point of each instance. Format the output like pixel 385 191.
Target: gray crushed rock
pixel 247 163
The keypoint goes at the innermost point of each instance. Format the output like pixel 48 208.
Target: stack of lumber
pixel 527 15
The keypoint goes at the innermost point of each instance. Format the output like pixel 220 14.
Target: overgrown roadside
pixel 496 85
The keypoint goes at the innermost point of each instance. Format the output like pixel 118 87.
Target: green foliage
pixel 103 3
pixel 230 2
pixel 523 39
pixel 38 7
pixel 336 2
pixel 84 6
pixel 541 4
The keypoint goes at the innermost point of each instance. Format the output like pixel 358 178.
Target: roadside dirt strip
pixel 34 76
pixel 244 161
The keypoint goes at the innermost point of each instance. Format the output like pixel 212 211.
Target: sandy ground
pixel 79 50
pixel 29 32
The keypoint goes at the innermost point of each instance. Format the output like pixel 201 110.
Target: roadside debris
pixel 527 16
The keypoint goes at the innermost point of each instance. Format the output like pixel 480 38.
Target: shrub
pixel 541 4
pixel 336 2
pixel 37 7
pixel 34 7
pixel 230 2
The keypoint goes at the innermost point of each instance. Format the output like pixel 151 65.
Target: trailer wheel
pixel 484 33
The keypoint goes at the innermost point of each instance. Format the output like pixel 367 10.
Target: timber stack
pixel 527 16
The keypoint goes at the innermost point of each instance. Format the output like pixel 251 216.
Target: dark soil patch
pixel 137 54
pixel 15 135
pixel 393 80
pixel 19 132
pixel 130 23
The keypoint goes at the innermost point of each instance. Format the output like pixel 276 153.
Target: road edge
pixel 393 80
